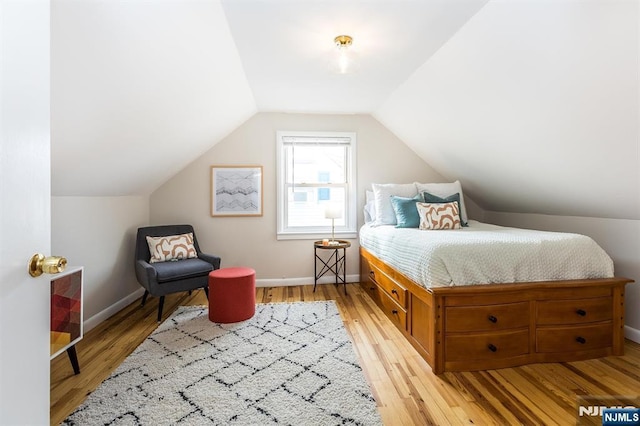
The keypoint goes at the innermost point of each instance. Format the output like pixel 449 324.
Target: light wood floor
pixel 406 390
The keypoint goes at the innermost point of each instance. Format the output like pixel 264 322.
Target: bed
pixel 486 297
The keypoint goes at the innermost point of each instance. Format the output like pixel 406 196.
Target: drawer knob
pixel 492 347
pixel 493 319
pixel 394 291
pixel 395 312
pixel 581 312
pixel 372 288
pixel 372 274
pixel 581 340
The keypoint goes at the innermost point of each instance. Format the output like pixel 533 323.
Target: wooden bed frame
pixel 493 326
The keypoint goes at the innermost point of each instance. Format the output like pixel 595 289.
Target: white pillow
pixel 444 190
pixel 382 192
pixel 369 196
pixel 369 212
pixel 369 207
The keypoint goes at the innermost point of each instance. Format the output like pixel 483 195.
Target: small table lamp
pixel 333 212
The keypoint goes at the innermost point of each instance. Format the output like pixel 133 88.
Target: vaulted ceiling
pixel 286 47
pixel 533 105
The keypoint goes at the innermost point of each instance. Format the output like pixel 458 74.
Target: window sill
pixel 316 235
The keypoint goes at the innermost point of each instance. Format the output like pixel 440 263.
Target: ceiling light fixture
pixel 345 61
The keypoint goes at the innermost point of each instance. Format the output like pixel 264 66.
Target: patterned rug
pixel 292 363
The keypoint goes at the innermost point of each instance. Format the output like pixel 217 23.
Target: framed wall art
pixel 236 190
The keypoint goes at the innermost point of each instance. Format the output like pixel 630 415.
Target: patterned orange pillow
pixel 439 215
pixel 171 247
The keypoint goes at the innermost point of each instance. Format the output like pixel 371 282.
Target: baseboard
pixel 287 282
pixel 275 282
pixel 112 310
pixel 632 333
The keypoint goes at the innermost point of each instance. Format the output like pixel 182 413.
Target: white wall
pixel 251 241
pixel 618 237
pixel 99 234
pixel 534 106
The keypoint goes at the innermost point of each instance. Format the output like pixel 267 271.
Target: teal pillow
pixel 406 211
pixel 430 198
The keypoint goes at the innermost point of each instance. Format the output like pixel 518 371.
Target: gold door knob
pixel 49 265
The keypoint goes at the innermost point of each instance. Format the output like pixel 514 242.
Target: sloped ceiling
pixel 139 89
pixel 533 105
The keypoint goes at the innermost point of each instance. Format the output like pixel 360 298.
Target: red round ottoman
pixel 232 294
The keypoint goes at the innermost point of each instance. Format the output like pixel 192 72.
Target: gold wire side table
pixel 335 263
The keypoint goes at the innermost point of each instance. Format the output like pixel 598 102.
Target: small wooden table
pixel 336 263
pixel 67 313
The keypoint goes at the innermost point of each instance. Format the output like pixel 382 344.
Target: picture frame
pixel 236 190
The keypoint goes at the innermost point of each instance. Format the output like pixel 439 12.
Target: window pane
pixel 300 196
pixel 319 163
pixel 306 208
pixel 324 194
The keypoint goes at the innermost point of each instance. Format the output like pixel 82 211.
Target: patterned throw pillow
pixel 439 216
pixel 171 247
pixel 430 198
pixel 443 190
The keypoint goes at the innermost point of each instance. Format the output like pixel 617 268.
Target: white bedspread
pixel 485 254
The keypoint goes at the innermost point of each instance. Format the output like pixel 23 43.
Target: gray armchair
pixel 160 279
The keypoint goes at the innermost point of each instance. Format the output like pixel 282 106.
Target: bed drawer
pixel 482 346
pixel 484 318
pixel 393 289
pixel 396 313
pixel 372 290
pixel 574 311
pixel 573 338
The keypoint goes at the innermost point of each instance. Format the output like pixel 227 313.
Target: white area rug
pixel 292 363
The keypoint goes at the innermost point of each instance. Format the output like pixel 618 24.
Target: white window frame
pixel 350 227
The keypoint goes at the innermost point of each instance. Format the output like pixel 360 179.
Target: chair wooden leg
pixel 160 306
pixel 144 298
